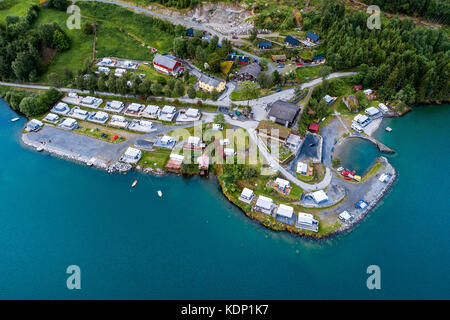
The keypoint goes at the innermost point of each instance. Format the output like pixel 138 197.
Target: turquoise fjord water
pixel 192 243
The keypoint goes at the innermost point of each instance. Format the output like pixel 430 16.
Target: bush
pixel 336 162
pixel 88 28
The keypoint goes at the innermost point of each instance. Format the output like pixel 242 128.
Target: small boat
pixel 160 193
pixel 347 178
pixel 40 149
pixel 134 183
pixel 14 119
pixel 388 129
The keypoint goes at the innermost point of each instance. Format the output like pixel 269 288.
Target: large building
pixel 248 73
pixel 283 113
pixel 291 41
pixel 209 83
pixel 167 64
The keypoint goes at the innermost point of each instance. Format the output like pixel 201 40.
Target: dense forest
pixel 436 10
pixel 401 60
pixel 21 44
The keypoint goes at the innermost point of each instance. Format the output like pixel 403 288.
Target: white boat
pixel 160 193
pixel 14 119
pixel 39 149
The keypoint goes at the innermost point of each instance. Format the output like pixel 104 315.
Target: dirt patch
pixel 47 54
pixel 223 17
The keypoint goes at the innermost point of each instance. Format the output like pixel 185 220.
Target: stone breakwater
pixel 373 198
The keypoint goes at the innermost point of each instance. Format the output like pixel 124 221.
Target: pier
pixel 383 148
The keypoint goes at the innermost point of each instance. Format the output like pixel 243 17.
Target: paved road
pixel 259 103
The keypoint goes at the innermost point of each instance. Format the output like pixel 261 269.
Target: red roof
pixel 314 127
pixel 311 111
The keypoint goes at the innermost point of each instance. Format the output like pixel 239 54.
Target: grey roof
pixel 283 110
pixel 252 69
pixel 166 61
pixel 210 80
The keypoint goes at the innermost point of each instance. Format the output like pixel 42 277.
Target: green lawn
pixel 154 159
pixel 114 25
pixel 305 74
pixel 91 132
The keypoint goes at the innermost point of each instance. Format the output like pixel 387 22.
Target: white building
pixel 372 112
pixel 69 124
pixel 118 122
pixel 176 157
pixel 247 194
pixel 131 155
pixel 307 221
pixel 106 70
pixel 61 108
pixel 345 216
pixel 192 113
pixel 368 91
pixel 285 211
pixel 167 139
pixel 134 109
pixel 264 205
pixel 293 141
pixel 224 142
pixel 328 99
pixel 302 167
pixel 99 116
pixel 34 125
pixel 152 111
pixel 120 72
pixel 383 107
pixel 115 106
pixel 194 141
pixel 282 184
pixel 357 127
pixel 91 102
pixel 141 126
pixel 167 113
pixel 319 196
pixel 106 61
pixel 361 120
pixel 51 117
pixel 78 113
pixel 384 178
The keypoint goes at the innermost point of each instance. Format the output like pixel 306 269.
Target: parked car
pixel 278 90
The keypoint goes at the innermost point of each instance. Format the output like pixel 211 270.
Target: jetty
pixel 383 148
